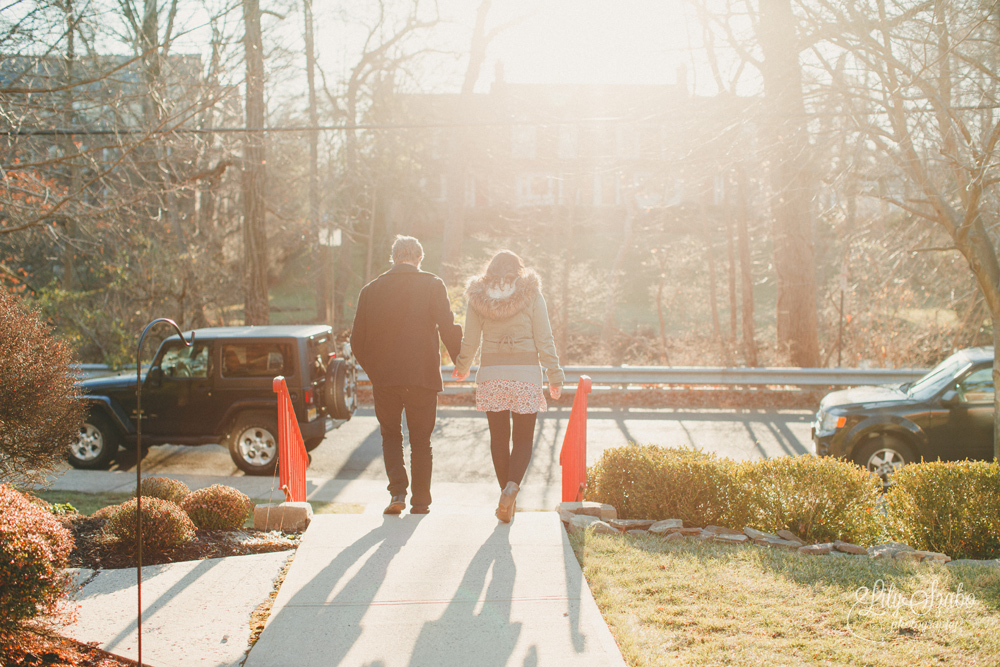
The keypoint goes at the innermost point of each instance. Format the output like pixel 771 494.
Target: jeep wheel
pixel 312 443
pixel 883 455
pixel 253 443
pixel 341 389
pixel 95 446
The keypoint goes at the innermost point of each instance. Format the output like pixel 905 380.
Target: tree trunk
pixel 610 305
pixel 458 156
pixel 713 290
pixel 746 270
pixel 322 271
pixel 788 146
pixel 256 310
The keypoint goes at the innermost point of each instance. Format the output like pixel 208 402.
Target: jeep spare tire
pixel 341 389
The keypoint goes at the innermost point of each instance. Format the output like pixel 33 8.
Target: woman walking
pixel 507 318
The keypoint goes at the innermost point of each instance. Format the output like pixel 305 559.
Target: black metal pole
pixel 138 463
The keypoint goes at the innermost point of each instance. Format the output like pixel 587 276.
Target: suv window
pixel 256 360
pixel 185 362
pixel 978 387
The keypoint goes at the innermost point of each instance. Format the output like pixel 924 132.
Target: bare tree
pixel 927 80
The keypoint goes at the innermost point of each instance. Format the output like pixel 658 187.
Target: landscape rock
pixel 604 528
pixel 687 532
pixel 777 543
pixel 731 538
pixel 666 526
pixel 790 536
pixel 816 549
pixel 673 537
pixel 932 557
pixel 637 532
pixel 631 524
pixel 602 511
pixel 915 556
pixel 286 517
pixel 722 530
pixel 888 550
pixel 580 522
pixel 755 534
pixel 565 516
pixel 848 548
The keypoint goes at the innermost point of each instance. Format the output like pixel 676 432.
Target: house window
pixel 568 137
pixel 524 139
pixel 536 190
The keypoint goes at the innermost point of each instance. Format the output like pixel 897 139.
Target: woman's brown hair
pixel 504 268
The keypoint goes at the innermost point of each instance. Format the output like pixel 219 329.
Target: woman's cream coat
pixel 512 329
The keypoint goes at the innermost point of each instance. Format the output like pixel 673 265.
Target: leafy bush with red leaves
pixel 34 547
pixel 218 507
pixel 39 416
pixel 164 488
pixel 164 525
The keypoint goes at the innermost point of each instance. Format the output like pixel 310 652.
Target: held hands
pixel 555 391
pixel 455 375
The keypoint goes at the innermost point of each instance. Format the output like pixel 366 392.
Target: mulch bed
pixel 95 551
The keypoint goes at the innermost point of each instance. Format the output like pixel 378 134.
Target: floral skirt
pixel 500 395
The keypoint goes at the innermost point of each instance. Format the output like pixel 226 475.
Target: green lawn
pixel 687 603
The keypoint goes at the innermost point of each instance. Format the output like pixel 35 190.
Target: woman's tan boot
pixel 506 507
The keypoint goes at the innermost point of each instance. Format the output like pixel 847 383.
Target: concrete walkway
pixel 439 590
pixel 451 588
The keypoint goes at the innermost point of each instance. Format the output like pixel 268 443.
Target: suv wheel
pixel 253 443
pixel 342 385
pixel 883 455
pixel 95 446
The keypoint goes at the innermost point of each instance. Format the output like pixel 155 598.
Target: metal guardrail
pixel 711 376
pixel 613 376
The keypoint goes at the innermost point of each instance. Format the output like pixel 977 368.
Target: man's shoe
pixel 420 509
pixel 396 505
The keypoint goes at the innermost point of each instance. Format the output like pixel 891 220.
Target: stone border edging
pixel 603 519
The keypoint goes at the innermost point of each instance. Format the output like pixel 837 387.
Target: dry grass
pixel 699 603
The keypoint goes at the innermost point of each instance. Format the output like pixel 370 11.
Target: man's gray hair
pixel 406 249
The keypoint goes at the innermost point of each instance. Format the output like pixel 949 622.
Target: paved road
pixel 461 442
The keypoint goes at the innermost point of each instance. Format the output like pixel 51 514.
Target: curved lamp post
pixel 138 460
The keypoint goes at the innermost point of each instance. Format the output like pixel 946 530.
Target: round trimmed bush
pixel 948 507
pixel 218 507
pixel 650 482
pixel 820 499
pixel 164 525
pixel 164 488
pixel 34 547
pixel 105 512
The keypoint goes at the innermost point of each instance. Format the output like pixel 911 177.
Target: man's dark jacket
pixel 395 337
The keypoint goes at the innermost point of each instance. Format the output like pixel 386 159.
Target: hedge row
pixel 952 508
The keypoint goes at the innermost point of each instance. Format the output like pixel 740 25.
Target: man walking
pixel 400 316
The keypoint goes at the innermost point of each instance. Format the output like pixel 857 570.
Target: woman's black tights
pixel 511 463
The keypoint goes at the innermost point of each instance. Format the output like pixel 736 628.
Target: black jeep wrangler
pixel 220 390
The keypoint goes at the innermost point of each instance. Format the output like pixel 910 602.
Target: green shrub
pixel 650 482
pixel 820 499
pixel 949 507
pixel 34 547
pixel 164 488
pixel 164 525
pixel 218 507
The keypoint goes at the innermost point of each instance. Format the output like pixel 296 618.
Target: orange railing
pixel 292 457
pixel 573 456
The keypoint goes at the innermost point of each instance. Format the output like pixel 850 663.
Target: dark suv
pixel 947 414
pixel 220 390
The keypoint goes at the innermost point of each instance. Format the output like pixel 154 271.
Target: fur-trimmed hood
pixel 494 305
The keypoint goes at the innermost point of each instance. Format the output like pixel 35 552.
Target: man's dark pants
pixel 420 405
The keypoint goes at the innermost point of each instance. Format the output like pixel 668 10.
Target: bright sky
pixel 588 41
